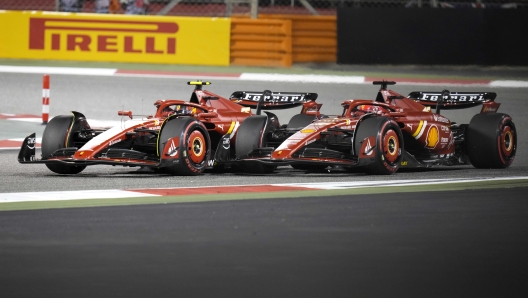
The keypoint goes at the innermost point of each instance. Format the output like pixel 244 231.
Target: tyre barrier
pixel 280 40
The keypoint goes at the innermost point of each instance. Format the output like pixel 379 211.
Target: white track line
pixel 302 78
pixel 505 83
pixel 362 184
pixel 69 195
pixel 59 70
pixel 25 119
pixel 265 77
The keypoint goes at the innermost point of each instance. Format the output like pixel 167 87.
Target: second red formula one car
pixel 390 132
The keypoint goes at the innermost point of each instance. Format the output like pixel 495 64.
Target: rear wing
pixel 271 100
pixel 452 100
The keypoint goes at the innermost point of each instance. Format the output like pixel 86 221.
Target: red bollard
pixel 45 98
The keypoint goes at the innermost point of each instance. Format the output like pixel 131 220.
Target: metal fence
pixel 223 8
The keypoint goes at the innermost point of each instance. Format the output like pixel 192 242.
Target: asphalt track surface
pixel 438 244
pixel 443 244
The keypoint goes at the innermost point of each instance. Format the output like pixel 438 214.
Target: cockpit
pixel 178 109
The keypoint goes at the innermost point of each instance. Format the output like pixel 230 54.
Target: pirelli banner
pixel 115 38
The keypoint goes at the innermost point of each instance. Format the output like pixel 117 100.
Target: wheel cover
pixel 507 141
pixel 391 146
pixel 196 147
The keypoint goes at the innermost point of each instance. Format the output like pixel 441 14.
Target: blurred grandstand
pixel 224 8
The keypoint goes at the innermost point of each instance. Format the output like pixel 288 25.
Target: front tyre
pixel 386 150
pixel 184 146
pixel 57 136
pixel 491 141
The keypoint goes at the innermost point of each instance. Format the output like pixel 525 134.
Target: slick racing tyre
pixel 252 135
pixel 57 136
pixel 184 146
pixel 387 149
pixel 491 141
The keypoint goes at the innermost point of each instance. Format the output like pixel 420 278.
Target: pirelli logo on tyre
pixel 115 38
pixel 135 37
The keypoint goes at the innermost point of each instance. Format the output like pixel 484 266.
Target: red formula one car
pixel 390 132
pixel 182 137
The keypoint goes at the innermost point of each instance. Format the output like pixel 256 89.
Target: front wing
pixel 120 157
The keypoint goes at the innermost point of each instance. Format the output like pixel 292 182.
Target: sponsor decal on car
pixel 488 109
pixel 309 142
pixel 451 140
pixel 113 142
pixel 368 148
pixel 31 143
pixel 432 137
pixel 454 97
pixel 173 150
pixel 308 130
pixel 440 118
pixel 226 144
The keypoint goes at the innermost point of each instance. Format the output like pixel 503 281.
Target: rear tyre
pixel 57 136
pixel 192 148
pixel 250 136
pixel 491 141
pixel 388 146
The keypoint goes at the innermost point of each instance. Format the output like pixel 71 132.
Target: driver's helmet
pixel 184 110
pixel 371 109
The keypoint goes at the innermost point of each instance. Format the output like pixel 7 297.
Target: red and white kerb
pixel 45 98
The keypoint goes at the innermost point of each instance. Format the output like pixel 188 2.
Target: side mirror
pixel 125 113
pixel 207 115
